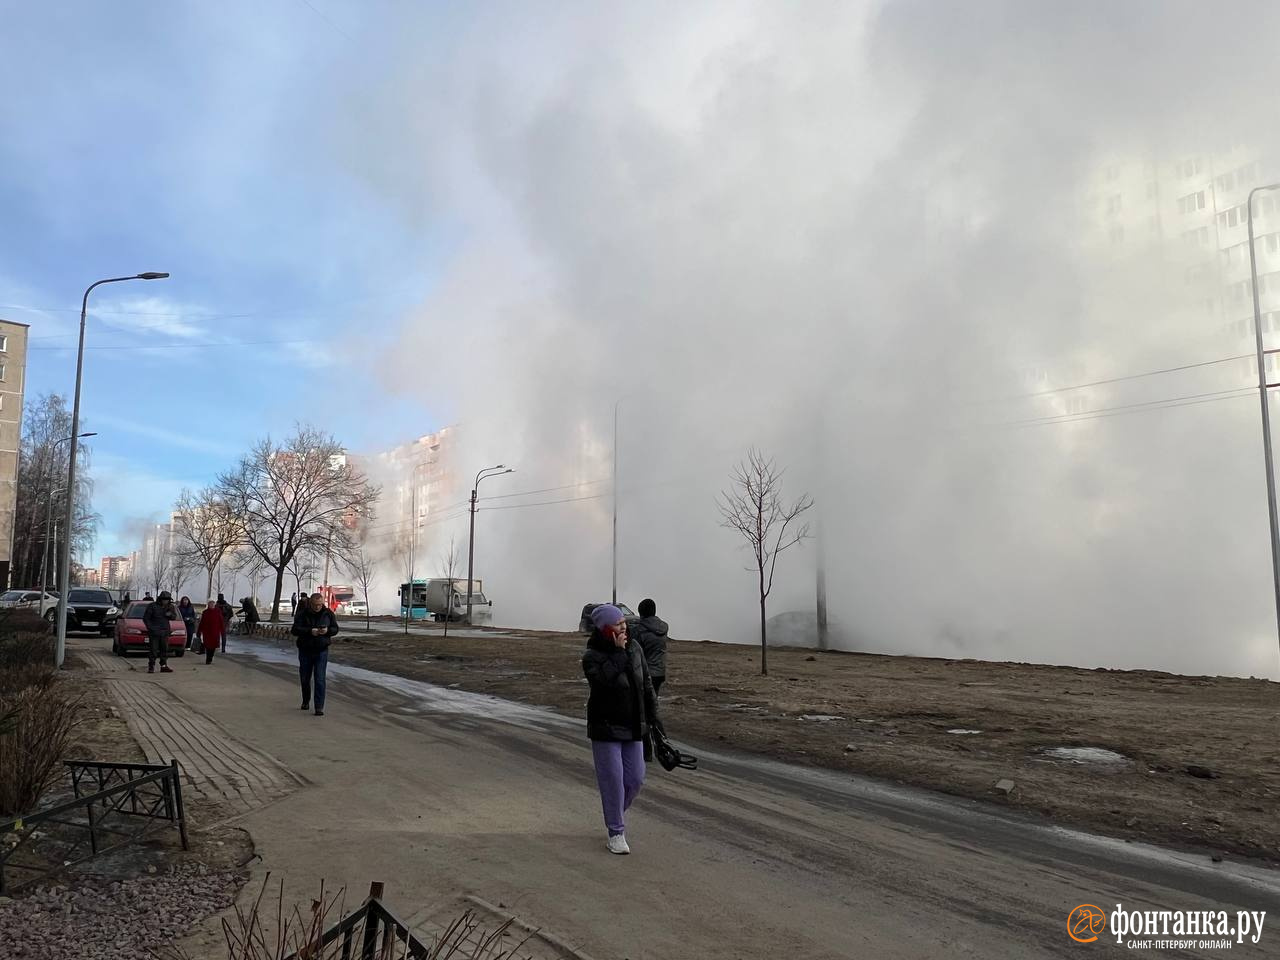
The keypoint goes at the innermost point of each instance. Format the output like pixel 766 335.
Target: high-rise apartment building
pixel 113 571
pixel 419 485
pixel 13 368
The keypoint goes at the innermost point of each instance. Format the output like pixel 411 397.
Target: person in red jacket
pixel 211 629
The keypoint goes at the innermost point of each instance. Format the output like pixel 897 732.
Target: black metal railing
pixel 132 801
pixel 373 930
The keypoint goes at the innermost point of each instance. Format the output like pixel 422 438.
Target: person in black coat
pixel 620 710
pixel 650 631
pixel 314 625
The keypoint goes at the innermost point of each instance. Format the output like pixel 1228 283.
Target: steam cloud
pixel 845 234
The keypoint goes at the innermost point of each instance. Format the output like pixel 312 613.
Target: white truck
pixel 447 598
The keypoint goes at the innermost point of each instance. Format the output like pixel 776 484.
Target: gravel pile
pixel 121 920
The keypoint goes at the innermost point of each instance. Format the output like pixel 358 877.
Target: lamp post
pixel 1266 410
pixel 614 595
pixel 471 542
pixel 65 565
pixel 413 539
pixel 48 515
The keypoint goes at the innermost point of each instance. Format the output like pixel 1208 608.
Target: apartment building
pixel 13 369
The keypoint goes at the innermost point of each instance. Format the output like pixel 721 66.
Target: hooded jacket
pixel 307 619
pixel 157 616
pixel 651 632
pixel 622 704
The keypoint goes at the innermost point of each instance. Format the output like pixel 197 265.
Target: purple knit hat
pixel 606 615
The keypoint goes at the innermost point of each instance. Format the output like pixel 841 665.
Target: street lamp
pixel 65 565
pixel 471 543
pixel 614 598
pixel 1266 410
pixel 413 538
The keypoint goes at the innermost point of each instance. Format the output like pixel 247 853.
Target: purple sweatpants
pixel 620 775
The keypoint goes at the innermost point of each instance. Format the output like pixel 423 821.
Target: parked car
pixel 354 608
pixel 88 608
pixel 586 626
pixel 24 599
pixel 131 632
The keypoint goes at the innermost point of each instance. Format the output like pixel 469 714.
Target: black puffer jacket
pixel 622 704
pixel 651 632
pixel 305 621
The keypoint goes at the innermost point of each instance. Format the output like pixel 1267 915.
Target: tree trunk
pixel 208 586
pixel 764 646
pixel 275 601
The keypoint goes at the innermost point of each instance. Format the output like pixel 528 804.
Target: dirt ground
pixel 888 717
pixel 101 733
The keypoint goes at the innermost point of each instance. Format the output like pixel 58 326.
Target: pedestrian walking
pixel 314 626
pixel 249 610
pixel 620 709
pixel 293 602
pixel 211 630
pixel 156 619
pixel 147 598
pixel 125 599
pixel 228 613
pixel 651 633
pixel 189 616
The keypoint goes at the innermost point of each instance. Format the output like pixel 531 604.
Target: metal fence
pixel 373 930
pixel 128 801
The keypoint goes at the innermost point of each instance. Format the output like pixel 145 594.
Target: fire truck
pixel 337 595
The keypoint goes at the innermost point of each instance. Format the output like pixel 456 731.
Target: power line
pixel 545 503
pixel 567 486
pixel 1131 376
pixel 192 344
pixel 1087 414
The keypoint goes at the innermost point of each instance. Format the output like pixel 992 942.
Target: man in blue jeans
pixel 313 625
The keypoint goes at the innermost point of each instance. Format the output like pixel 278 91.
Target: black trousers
pixel 158 647
pixel 657 683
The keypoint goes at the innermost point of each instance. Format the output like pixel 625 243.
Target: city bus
pixel 419 607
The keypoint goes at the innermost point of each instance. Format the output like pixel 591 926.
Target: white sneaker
pixel 618 844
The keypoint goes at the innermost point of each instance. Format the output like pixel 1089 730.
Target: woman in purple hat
pixel 620 710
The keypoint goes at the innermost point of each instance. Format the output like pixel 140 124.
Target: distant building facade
pixel 13 377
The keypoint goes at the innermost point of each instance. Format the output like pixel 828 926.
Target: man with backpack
pixel 650 631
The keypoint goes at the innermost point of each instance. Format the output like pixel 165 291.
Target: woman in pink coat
pixel 210 629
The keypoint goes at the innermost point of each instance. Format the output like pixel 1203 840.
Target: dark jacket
pixel 622 703
pixel 228 612
pixel 188 613
pixel 651 632
pixel 156 618
pixel 305 620
pixel 249 610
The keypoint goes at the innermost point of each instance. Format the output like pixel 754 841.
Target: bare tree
pixel 450 560
pixel 207 530
pixel 159 558
pixel 753 507
pixel 184 564
pixel 364 571
pixel 292 498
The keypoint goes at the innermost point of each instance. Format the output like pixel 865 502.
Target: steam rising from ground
pixel 842 233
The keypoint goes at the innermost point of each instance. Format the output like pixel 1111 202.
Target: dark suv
pixel 88 609
pixel 586 626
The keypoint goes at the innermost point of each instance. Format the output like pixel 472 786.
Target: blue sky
pixel 200 140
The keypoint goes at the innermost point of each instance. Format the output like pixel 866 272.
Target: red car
pixel 131 634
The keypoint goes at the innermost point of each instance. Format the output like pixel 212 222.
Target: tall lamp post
pixel 471 542
pixel 614 596
pixel 1266 410
pixel 65 578
pixel 413 539
pixel 48 514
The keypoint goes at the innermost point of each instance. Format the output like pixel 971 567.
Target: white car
pixel 25 600
pixel 355 608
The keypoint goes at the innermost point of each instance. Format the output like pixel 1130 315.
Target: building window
pixel 1233 217
pixel 1191 202
pixel 4 343
pixel 1189 168
pixel 1196 238
pixel 1273 242
pixel 1 370
pixel 1113 204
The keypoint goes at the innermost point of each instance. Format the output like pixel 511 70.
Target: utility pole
pixel 1266 408
pixel 471 540
pixel 614 596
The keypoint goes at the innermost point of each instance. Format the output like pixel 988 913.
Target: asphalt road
pixel 443 794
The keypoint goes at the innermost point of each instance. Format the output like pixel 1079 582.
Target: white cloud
pixel 153 316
